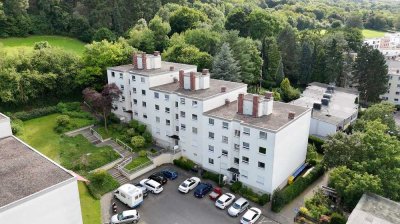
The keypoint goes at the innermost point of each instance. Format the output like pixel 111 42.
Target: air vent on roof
pixel 317 106
pixel 325 101
pixel 331 88
pixel 327 95
pixel 227 102
pixel 175 80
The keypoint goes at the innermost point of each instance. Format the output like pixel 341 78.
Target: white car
pixel 129 216
pixel 238 207
pixel 251 216
pixel 224 200
pixel 189 184
pixel 152 186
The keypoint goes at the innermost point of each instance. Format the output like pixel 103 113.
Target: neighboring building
pixel 34 189
pixel 389 45
pixel 214 122
pixel 375 209
pixel 334 108
pixel 393 93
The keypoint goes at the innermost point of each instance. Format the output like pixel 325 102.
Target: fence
pixel 159 152
pixel 121 143
pixel 96 134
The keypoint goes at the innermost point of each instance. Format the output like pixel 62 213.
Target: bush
pixel 141 128
pixel 184 163
pixel 16 126
pixel 142 153
pixel 35 113
pixel 235 187
pixel 70 106
pixel 282 197
pixel 138 141
pixel 248 193
pixel 217 178
pixel 134 124
pixel 264 199
pixel 337 218
pixel 101 182
pixel 63 120
pixel 317 142
pixel 147 136
pixel 78 114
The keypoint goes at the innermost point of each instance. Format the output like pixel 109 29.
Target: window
pixel 122 87
pixel 144 104
pixel 246 131
pixel 397 93
pixel 157 107
pixel 156 95
pixel 246 145
pixel 398 85
pixel 225 125
pixel 263 135
pixel 245 159
pixel 135 101
pixel 183 127
pixel 167 110
pixel 177 116
pixel 194 103
pixel 142 79
pixel 176 128
pixel 182 100
pixel 260 180
pixel 194 117
pixel 210 161
pixel 211 135
pixel 395 99
pixel 145 116
pixel 123 98
pixel 262 150
pixel 167 122
pixel 236 146
pixel 244 173
pixel 210 148
pixel 121 76
pixel 134 90
pixel 133 78
pixel 183 114
pixel 237 133
pixel 113 74
pixel 224 139
pixel 123 109
pixel 143 92
pixel 261 165
pixel 136 113
pixel 158 119
pixel 166 97
pixel 194 130
pixel 236 160
pixel 224 152
pixel 210 121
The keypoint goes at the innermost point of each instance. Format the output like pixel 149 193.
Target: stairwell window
pixel 210 148
pixel 142 79
pixel 133 78
pixel 167 110
pixel 225 125
pixel 210 161
pixel 183 114
pixel 122 87
pixel 263 135
pixel 166 97
pixel 237 133
pixel 224 152
pixel 236 161
pixel 144 104
pixel 167 122
pixel 246 131
pixel 211 135
pixel 183 127
pixel 245 159
pixel 194 130
pixel 158 119
pixel 194 117
pixel 210 121
pixel 182 100
pixel 134 90
pixel 121 76
pixel 157 107
pixel 225 139
pixel 135 101
pixel 156 95
pixel 143 92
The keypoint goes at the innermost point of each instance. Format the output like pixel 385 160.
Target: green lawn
pixel 13 44
pixel 89 205
pixel 137 162
pixel 372 33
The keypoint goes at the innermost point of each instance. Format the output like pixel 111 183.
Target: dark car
pixel 144 190
pixel 170 174
pixel 159 177
pixel 202 189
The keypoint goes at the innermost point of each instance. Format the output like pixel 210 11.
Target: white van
pixel 152 186
pixel 130 195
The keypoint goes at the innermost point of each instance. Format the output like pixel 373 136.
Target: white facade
pixel 176 111
pixel 393 93
pixel 5 126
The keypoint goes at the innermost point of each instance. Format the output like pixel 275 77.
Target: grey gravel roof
pixel 165 68
pixel 274 121
pixel 215 89
pixel 375 209
pixel 24 172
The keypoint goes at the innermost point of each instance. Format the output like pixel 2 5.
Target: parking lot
pixel 173 207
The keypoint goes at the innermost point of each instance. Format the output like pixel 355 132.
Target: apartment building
pixel 34 189
pixel 393 93
pixel 215 123
pixel 389 45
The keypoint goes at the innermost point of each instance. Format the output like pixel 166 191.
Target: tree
pixel 41 45
pixel 306 63
pixel 186 18
pixel 204 39
pixel 354 21
pixel 288 46
pixel 334 61
pixel 238 20
pixel 288 93
pixel 104 34
pixel 225 66
pixel 354 39
pixel 262 24
pixel 371 74
pixel 101 103
pixel 376 22
pixel 188 54
pixel 382 111
pixel 272 72
pixel 160 32
pixel 138 141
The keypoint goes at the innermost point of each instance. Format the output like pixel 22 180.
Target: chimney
pixel 171 68
pixel 156 53
pixel 291 115
pixel 268 95
pixel 181 78
pixel 192 81
pixel 240 103
pixel 134 61
pixel 204 71
pixel 255 106
pixel 144 60
pixel 223 89
pixel 227 102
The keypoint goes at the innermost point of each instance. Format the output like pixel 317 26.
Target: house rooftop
pixel 24 172
pixel 274 121
pixel 165 68
pixel 202 94
pixel 374 209
pixel 341 106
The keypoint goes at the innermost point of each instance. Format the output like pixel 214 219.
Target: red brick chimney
pixel 255 106
pixel 268 95
pixel 192 80
pixel 291 115
pixel 181 79
pixel 240 103
pixel 134 61
pixel 144 60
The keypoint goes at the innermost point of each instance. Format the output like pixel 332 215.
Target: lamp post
pixel 219 175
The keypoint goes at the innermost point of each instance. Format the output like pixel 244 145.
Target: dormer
pixel 194 80
pixel 255 105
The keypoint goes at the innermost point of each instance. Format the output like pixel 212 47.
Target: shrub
pixel 235 187
pixel 248 193
pixel 70 106
pixel 141 128
pixel 16 126
pixel 317 142
pixel 35 113
pixel 217 178
pixel 63 120
pixel 142 153
pixel 78 114
pixel 184 163
pixel 138 141
pixel 264 199
pixel 147 136
pixel 312 155
pixel 134 124
pixel 282 197
pixel 337 218
pixel 130 132
pixel 101 182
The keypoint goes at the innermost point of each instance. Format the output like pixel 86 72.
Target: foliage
pixel 138 142
pixel 184 163
pixel 63 120
pixel 236 186
pixel 188 54
pixel 224 65
pixel 318 205
pixel 104 34
pixel 317 142
pixel 382 111
pixel 272 71
pixel 337 218
pixel 186 18
pixel 101 182
pixel 239 188
pixel 312 154
pixel 17 126
pixel 288 93
pixel 142 153
pixel 138 161
pixel 89 205
pixel 35 113
pixel 217 178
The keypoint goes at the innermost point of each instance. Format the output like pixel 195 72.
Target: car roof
pixel 250 213
pixel 224 197
pixel 153 182
pixel 129 212
pixel 240 201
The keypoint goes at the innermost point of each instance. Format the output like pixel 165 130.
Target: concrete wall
pixel 321 128
pixel 60 205
pixel 5 126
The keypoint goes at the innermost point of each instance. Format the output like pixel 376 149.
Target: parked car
pixel 170 174
pixel 144 189
pixel 189 184
pixel 202 189
pixel 129 216
pixel 159 177
pixel 238 207
pixel 215 193
pixel 152 186
pixel 251 216
pixel 225 200
pixel 130 195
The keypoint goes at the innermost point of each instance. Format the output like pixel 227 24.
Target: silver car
pixel 238 207
pixel 129 216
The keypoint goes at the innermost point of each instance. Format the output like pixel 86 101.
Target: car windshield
pixel 236 206
pixel 120 216
pixel 220 202
pixel 184 185
pixel 246 220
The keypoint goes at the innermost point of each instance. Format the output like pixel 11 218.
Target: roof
pixel 342 105
pixel 274 121
pixel 165 68
pixel 201 94
pixel 374 209
pixel 24 171
pixel 2 116
pixel 129 189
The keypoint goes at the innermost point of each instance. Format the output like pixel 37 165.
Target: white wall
pixel 61 206
pixel 321 128
pixel 5 126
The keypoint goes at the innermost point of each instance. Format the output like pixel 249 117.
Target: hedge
pixel 317 142
pixel 280 198
pixel 184 163
pixel 217 178
pixel 248 193
pixel 35 113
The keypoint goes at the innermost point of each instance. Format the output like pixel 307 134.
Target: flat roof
pixel 375 209
pixel 24 171
pixel 165 68
pixel 213 90
pixel 274 121
pixel 2 116
pixel 341 106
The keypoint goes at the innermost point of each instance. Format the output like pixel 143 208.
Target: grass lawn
pixel 372 33
pixel 13 44
pixel 89 205
pixel 137 162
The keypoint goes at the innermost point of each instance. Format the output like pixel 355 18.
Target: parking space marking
pixel 264 220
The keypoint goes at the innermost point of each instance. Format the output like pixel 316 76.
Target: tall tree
pixel 186 18
pixel 334 61
pixel 262 24
pixel 289 48
pixel 225 66
pixel 272 72
pixel 306 63
pixel 161 30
